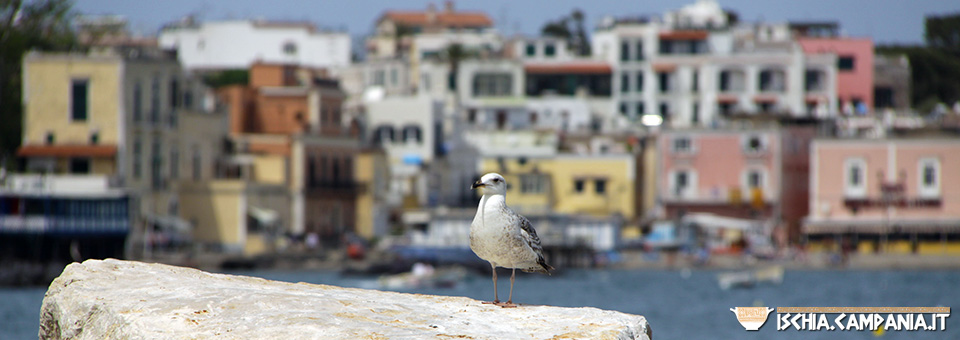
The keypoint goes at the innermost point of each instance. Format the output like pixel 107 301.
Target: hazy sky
pixel 886 21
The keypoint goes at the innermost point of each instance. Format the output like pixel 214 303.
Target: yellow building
pixel 132 116
pixel 373 171
pixel 597 185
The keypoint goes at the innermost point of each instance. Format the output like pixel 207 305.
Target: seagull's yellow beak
pixel 477 184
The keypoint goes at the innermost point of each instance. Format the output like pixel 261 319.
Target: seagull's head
pixel 492 184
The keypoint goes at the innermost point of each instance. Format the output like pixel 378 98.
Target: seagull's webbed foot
pixel 494 302
pixel 508 304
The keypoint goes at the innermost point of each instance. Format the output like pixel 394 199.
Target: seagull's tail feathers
pixel 544 268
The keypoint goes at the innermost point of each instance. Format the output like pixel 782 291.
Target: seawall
pixel 100 299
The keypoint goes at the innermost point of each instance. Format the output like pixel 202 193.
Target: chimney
pixel 448 6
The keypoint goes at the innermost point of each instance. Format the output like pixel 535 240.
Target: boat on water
pixel 424 276
pixel 750 278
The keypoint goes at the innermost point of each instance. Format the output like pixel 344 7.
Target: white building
pixel 216 46
pixel 693 68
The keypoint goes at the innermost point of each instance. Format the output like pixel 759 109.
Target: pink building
pixel 854 67
pixel 887 190
pixel 725 172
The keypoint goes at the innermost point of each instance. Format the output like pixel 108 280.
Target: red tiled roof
pixel 683 35
pixel 576 68
pixel 67 150
pixel 443 19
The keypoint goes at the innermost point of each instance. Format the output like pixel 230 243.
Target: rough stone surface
pixel 113 299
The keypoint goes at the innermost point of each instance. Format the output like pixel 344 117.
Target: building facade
pixel 891 195
pixel 214 45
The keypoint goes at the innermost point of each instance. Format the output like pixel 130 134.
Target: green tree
pixel 25 26
pixel 576 36
pixel 943 33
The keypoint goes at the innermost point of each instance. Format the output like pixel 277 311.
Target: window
pixel 174 162
pixel 624 51
pixel 664 110
pixel 531 49
pixel 623 109
pixel 772 80
pixel 600 186
pixel 624 83
pixel 197 163
pixel 137 166
pixel 640 109
pixel 754 179
pixel 533 184
pixel 754 144
pixel 156 170
pixel 664 78
pixel 412 134
pixel 549 49
pixel 732 81
pixel 639 81
pixel 79 99
pixel 682 145
pixel 695 114
pixel 492 84
pixel 137 102
pixel 683 184
pixel 578 185
pixel 639 55
pixel 846 63
pixel 311 171
pixel 854 178
pixel 695 81
pixel 813 81
pixel 289 48
pixel 173 93
pixel 929 171
pixel 472 116
pixel 50 138
pixel 79 165
pixel 155 99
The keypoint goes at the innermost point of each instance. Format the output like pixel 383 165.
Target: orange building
pixel 287 124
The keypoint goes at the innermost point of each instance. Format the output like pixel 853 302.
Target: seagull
pixel 502 237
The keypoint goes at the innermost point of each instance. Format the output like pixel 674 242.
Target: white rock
pixel 113 299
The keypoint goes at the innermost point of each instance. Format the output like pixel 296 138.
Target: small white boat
pixel 423 276
pixel 750 278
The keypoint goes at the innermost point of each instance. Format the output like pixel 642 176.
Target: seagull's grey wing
pixel 530 235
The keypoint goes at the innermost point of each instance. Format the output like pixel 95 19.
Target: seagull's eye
pixel 496 179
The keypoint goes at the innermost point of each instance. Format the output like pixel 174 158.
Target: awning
pixel 664 68
pixel 266 217
pixel 765 99
pixel 168 223
pixel 727 99
pixel 684 35
pixel 67 151
pixel 711 221
pixel 568 68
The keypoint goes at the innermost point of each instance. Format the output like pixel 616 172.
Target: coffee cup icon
pixel 752 318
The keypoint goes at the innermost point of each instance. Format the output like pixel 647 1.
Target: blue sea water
pixel 677 306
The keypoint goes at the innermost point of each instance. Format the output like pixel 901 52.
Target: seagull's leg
pixel 509 303
pixel 496 299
